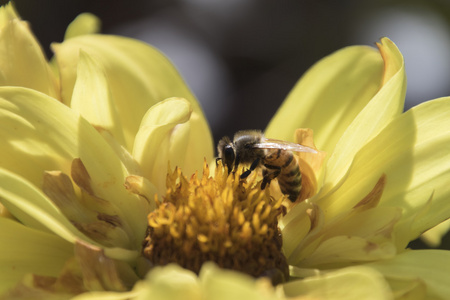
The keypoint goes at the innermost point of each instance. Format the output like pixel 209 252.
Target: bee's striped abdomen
pixel 289 177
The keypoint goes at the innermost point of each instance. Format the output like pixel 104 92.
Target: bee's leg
pixel 217 161
pixel 267 177
pixel 252 167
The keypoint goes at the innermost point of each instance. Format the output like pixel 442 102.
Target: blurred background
pixel 242 57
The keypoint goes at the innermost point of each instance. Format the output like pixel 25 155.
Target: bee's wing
pixel 279 144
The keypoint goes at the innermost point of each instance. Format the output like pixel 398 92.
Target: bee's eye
pixel 229 156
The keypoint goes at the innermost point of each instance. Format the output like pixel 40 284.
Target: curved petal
pixel 167 134
pixel 37 212
pixel 296 225
pixel 107 296
pixel 344 250
pixel 384 106
pixel 169 282
pixel 428 266
pixel 7 13
pixel 220 283
pixel 433 236
pixel 348 283
pixel 92 97
pixel 139 76
pixel 40 134
pixel 34 209
pixel 354 236
pixel 413 152
pixel 26 250
pixel 174 282
pixel 22 62
pixel 84 23
pixel 329 96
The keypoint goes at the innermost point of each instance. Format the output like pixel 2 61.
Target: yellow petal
pixel 310 164
pixel 386 104
pixel 301 220
pixel 34 209
pixel 99 272
pixel 346 284
pixel 170 282
pixel 408 289
pixel 223 284
pixel 84 23
pixel 138 75
pixel 329 96
pixel 22 62
pixel 107 296
pixel 173 282
pixel 95 217
pixel 93 100
pixel 7 13
pixel 41 134
pixel 413 153
pixel 26 250
pixel 166 134
pixel 346 250
pixel 127 159
pixel 429 266
pixel 143 187
pixel 354 236
pixel 433 236
pixel 47 136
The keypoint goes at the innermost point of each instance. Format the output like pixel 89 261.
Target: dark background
pixel 242 57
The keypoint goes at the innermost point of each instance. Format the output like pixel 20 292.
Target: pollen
pixel 223 219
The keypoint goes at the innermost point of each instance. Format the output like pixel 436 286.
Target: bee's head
pixel 227 152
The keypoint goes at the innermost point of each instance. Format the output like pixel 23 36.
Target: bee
pixel 275 156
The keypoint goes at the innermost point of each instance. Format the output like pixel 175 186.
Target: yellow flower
pixel 86 144
pixel 112 82
pixel 64 163
pixel 385 178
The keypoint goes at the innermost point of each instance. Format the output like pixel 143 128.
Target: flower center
pixel 222 219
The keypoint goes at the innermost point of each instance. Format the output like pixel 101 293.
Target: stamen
pixel 223 219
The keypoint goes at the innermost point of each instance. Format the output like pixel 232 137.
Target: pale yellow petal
pixel 433 236
pixel 296 225
pixel 413 153
pixel 355 236
pixel 32 208
pixel 166 134
pixel 169 282
pixel 386 104
pixel 84 23
pixel 138 75
pixel 93 100
pixel 329 96
pixel 41 134
pixel 124 155
pixel 173 282
pixel 143 187
pixel 26 250
pixel 35 210
pixel 408 288
pixel 22 62
pixel 220 284
pixel 7 13
pixel 4 213
pixel 107 296
pixel 346 284
pixel 98 271
pixel 344 250
pixel 351 237
pixel 429 266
